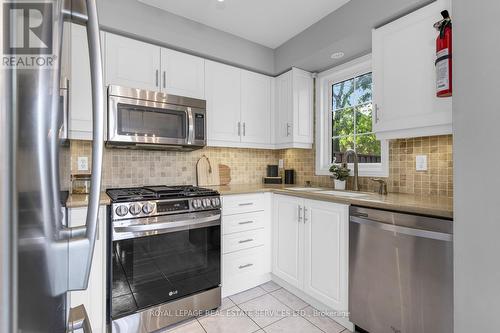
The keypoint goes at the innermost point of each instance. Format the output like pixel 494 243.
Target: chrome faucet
pixel 356 171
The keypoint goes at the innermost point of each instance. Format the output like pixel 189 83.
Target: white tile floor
pixel 266 308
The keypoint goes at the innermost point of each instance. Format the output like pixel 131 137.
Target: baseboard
pixel 312 301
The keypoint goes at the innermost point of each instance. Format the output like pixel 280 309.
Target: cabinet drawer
pixel 238 265
pixel 242 222
pixel 243 240
pixel 237 204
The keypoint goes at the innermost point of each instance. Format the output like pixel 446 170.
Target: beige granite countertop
pixel 408 203
pixel 82 200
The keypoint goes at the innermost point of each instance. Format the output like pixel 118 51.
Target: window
pixel 352 120
pixel 344 119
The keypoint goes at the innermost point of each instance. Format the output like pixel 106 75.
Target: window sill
pixel 372 170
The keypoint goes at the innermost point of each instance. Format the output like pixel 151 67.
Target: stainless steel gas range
pixel 164 256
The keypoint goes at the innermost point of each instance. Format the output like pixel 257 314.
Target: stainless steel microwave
pixel 154 120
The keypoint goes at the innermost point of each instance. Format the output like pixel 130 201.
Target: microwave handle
pixel 190 138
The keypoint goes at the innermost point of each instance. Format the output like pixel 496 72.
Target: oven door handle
pixel 171 226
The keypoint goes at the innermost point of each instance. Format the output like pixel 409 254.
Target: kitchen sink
pixel 311 189
pixel 344 194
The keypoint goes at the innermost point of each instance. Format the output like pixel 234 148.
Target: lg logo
pixel 27 28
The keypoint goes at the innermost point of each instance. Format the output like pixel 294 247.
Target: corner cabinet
pixel 294 109
pixel 404 78
pixel 136 64
pixel 239 107
pixel 310 248
pixel 94 297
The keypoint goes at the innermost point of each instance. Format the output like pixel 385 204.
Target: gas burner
pixel 157 192
pixel 130 194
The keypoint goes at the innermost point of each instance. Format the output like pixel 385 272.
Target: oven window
pixel 152 270
pixel 148 121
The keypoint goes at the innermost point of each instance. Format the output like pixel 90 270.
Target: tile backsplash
pixel 127 167
pixel 437 180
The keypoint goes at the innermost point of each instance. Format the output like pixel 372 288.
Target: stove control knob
pixel 196 203
pixel 121 210
pixel 206 203
pixel 148 208
pixel 135 209
pixel 215 202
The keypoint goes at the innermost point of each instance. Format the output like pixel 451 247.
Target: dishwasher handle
pixel 402 230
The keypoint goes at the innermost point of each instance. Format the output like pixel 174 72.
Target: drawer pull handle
pixel 246 240
pixel 246 204
pixel 245 266
pixel 245 222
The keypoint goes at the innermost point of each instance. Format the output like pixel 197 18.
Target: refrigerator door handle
pixel 79 319
pixel 82 239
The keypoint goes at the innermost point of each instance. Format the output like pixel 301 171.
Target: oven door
pixel 158 260
pixel 135 121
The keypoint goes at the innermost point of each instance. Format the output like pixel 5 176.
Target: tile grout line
pixel 202 327
pixel 260 328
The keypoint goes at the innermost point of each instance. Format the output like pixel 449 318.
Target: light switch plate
pixel 83 163
pixel 280 164
pixel 421 162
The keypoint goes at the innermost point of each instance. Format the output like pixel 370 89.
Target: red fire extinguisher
pixel 444 56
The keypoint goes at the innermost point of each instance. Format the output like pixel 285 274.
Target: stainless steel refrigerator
pixel 41 259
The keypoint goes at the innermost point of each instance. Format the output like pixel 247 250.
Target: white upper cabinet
pixel 404 79
pixel 131 63
pixel 76 82
pixel 239 107
pixel 284 110
pixel 255 108
pixel 294 109
pixel 182 74
pixel 80 86
pixel 223 94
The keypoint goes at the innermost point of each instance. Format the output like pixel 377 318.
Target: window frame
pixel 324 83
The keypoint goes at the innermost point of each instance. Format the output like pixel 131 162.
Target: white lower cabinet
pixel 326 252
pixel 310 248
pixel 94 297
pixel 288 239
pixel 246 242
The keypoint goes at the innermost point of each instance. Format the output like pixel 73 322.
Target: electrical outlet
pixel 83 163
pixel 421 162
pixel 280 164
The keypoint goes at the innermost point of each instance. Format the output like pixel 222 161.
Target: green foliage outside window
pixel 352 117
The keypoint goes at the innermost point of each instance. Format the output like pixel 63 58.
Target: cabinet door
pixel 131 63
pixel 80 88
pixel 302 106
pixel 326 253
pixel 255 108
pixel 404 84
pixel 284 109
pixel 182 74
pixel 288 239
pixel 223 94
pixel 94 297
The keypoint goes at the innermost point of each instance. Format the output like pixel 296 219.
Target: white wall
pixel 135 19
pixel 348 29
pixel 476 121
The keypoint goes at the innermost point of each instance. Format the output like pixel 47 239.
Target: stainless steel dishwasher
pixel 400 272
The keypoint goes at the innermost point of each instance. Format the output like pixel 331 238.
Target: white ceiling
pixel 266 22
